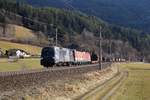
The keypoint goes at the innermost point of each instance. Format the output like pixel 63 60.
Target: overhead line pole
pixel 56 29
pixel 56 36
pixel 110 49
pixel 100 48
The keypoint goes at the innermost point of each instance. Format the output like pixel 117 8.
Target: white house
pixel 20 54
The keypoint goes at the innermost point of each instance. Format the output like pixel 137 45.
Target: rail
pixel 21 79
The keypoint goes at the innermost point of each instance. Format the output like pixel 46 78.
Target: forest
pixel 76 28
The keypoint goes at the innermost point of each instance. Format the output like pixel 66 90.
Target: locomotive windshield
pixel 47 52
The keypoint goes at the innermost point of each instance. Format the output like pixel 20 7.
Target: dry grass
pixel 4 45
pixel 136 86
pixel 64 88
pixel 23 33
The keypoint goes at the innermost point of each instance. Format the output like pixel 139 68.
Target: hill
pixel 76 30
pixel 22 34
pixel 129 13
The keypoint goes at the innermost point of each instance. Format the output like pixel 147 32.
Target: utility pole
pixel 100 48
pixel 56 30
pixel 110 49
pixel 56 37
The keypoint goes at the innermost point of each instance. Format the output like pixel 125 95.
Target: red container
pixel 82 56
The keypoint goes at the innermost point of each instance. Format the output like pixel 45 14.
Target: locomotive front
pixel 48 56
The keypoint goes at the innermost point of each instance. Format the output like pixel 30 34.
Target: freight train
pixel 51 56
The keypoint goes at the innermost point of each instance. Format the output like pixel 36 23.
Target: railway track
pixel 13 73
pixel 23 79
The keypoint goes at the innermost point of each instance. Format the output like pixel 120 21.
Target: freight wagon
pixel 81 57
pixel 51 56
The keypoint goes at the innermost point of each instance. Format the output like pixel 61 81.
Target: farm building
pixel 18 53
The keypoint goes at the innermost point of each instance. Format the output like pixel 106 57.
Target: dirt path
pixel 118 84
pixel 105 90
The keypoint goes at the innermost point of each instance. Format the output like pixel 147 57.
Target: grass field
pixel 22 64
pixel 133 86
pixel 4 45
pixel 137 85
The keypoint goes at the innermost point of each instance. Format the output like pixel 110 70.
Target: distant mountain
pixel 130 13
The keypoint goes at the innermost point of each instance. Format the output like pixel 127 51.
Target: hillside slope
pixel 76 30
pixel 22 34
pixel 130 13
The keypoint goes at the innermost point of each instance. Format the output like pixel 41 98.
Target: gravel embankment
pixel 62 87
